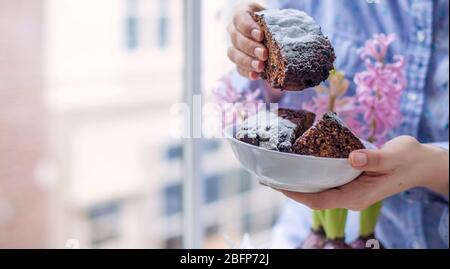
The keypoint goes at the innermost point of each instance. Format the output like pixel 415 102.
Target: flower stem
pixel 316 221
pixel 372 138
pixel 332 103
pixel 369 219
pixel 334 221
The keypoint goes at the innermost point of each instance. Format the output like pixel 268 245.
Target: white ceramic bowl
pixel 291 172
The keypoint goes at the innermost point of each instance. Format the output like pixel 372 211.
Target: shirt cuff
pixel 442 145
pixel 443 227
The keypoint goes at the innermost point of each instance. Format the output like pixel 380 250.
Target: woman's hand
pixel 402 164
pixel 247 52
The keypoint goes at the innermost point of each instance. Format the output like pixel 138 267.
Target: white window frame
pixel 192 155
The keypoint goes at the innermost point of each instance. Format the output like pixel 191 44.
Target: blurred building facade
pixel 23 218
pixel 105 172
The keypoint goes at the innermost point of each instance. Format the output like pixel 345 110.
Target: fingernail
pixel 259 52
pixel 253 75
pixel 359 159
pixel 255 65
pixel 256 34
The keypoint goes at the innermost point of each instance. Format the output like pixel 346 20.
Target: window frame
pixel 193 233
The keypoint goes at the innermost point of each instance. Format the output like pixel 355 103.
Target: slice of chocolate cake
pixel 329 138
pixel 300 56
pixel 303 119
pixel 275 131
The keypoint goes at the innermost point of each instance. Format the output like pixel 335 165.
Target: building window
pixel 104 223
pixel 238 182
pixel 132 33
pixel 173 242
pixel 173 199
pixel 142 21
pixel 163 24
pixel 212 230
pixel 173 194
pixel 175 152
pixel 212 189
pixel 132 24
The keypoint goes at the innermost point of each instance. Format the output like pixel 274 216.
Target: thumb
pixel 370 160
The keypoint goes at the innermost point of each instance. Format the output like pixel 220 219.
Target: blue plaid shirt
pixel 417 218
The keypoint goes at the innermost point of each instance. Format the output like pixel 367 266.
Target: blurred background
pixel 86 155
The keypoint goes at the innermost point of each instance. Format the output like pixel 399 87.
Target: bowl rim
pixel 226 132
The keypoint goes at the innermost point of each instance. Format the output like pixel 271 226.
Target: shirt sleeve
pixel 443 145
pixel 443 227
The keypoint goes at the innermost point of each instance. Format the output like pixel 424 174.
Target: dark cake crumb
pixel 300 56
pixel 329 138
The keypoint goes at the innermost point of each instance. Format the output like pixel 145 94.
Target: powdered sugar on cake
pixel 290 27
pixel 272 131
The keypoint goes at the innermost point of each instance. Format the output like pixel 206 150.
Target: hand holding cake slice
pixel 300 56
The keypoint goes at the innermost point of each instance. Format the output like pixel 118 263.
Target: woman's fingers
pixel 243 61
pixel 371 160
pixel 388 171
pixel 246 25
pixel 247 45
pixel 357 195
pixel 247 52
pixel 394 153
